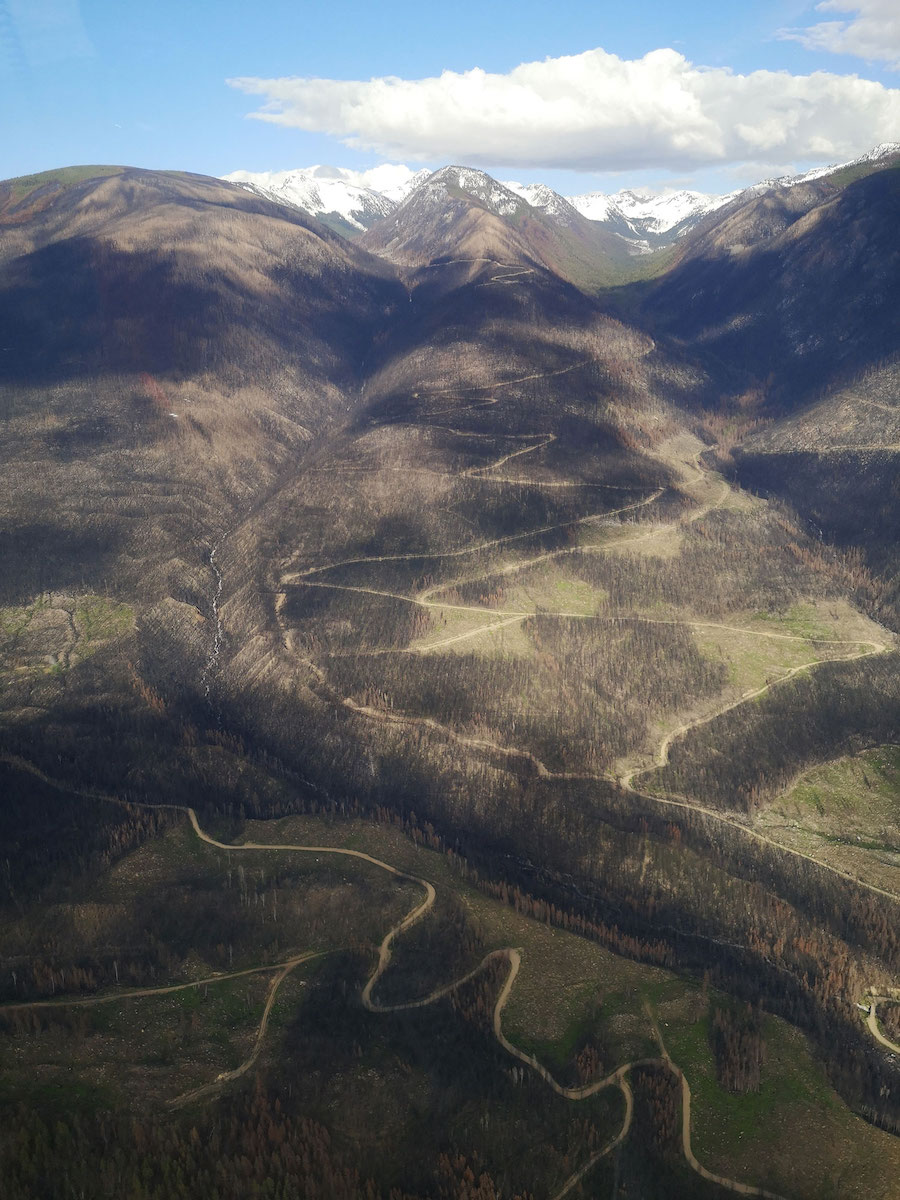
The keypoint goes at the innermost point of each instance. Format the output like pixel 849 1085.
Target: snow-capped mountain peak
pixel 497 197
pixel 539 196
pixel 355 200
pixel 883 150
pixel 322 191
pixel 645 212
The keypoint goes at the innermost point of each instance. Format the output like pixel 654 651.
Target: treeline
pixel 249 1150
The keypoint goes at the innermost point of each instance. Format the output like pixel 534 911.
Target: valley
pixel 442 570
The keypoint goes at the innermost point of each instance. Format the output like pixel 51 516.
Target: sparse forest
pixel 500 620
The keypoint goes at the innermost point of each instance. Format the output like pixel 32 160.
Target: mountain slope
pixel 455 211
pixel 837 463
pixel 628 222
pixel 344 206
pixel 461 211
pixel 339 198
pixel 799 284
pixel 175 328
pixel 440 546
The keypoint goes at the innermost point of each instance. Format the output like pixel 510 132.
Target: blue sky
pixel 145 83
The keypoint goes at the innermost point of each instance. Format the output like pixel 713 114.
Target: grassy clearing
pixel 135 1050
pixel 665 542
pixel 861 790
pixel 755 661
pixel 489 640
pixel 847 813
pixel 800 620
pixel 38 639
pixel 450 623
pixel 98 619
pixel 569 989
pixel 34 638
pixel 752 662
pixel 554 591
pixel 795 1135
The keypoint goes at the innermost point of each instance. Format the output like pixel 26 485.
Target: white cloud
pixel 592 111
pixel 873 32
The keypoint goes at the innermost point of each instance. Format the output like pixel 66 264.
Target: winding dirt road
pixel 619 1078
pixel 207 1089
pixel 496 619
pixel 616 1079
pixel 461 551
pixel 872 1021
pixel 742 1189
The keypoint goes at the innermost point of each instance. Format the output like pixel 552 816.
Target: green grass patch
pixel 867 783
pixel 800 620
pixel 752 661
pixel 23 185
pixel 795 1134
pixel 99 619
pixel 847 811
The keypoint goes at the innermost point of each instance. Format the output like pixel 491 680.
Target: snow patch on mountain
pixel 884 150
pixel 322 190
pixel 645 219
pixel 403 185
pixel 646 212
pixel 667 215
pixel 539 196
pixel 497 197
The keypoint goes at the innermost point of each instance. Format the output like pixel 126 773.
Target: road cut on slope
pixel 511 955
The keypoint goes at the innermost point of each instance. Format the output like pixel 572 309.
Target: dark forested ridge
pixel 440 562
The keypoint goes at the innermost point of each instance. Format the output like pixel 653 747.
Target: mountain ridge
pixel 645 219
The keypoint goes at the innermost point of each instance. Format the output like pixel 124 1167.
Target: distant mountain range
pixel 347 200
pixel 642 220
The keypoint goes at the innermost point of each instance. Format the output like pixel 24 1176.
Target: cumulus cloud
pixel 592 111
pixel 872 32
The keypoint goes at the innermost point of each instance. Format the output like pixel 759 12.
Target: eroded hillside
pixel 436 539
